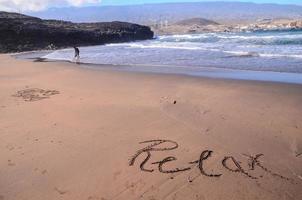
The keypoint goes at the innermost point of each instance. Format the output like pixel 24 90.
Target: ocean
pixel 213 53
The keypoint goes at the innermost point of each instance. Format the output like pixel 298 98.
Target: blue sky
pixel 36 5
pixel 122 2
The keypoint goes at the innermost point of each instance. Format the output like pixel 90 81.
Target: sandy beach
pixel 69 132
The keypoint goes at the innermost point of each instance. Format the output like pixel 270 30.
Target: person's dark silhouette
pixel 76 54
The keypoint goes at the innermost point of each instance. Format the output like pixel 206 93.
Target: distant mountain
pixel 172 12
pixel 196 21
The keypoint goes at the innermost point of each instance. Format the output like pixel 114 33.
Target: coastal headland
pixel 24 33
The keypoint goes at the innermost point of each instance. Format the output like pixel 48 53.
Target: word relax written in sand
pixel 229 163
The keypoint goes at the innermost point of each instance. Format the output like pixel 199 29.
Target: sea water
pixel 261 51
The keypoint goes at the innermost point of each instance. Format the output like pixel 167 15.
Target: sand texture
pixel 83 134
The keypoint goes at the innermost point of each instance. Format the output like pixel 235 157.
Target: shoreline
pixel 208 72
pixel 72 132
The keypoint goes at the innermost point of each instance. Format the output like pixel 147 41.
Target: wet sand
pixel 74 133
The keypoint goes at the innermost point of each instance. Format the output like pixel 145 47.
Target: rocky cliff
pixel 24 33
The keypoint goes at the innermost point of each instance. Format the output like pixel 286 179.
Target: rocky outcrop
pixel 24 33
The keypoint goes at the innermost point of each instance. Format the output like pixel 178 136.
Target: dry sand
pixel 72 133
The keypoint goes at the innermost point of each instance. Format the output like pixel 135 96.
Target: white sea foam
pixel 186 36
pixel 66 54
pixel 256 54
pixel 230 37
pixel 281 55
pixel 261 37
pixel 162 45
pixel 243 53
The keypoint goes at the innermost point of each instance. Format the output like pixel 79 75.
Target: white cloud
pixel 36 5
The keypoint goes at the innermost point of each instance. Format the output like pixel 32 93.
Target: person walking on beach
pixel 76 54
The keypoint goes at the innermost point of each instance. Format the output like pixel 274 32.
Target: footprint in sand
pixel 95 198
pixel 60 191
pixel 116 174
pixel 168 100
pixel 10 147
pixel 35 94
pixel 207 130
pixel 43 172
pixel 296 147
pixel 10 163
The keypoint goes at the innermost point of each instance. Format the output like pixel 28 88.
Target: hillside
pixel 187 26
pixel 196 21
pixel 25 33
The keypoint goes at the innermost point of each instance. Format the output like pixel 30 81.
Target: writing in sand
pixel 229 163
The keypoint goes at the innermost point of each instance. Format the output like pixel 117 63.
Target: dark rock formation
pixel 24 33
